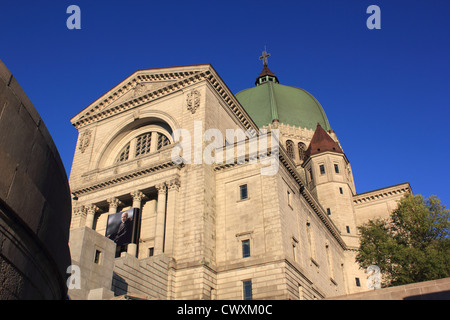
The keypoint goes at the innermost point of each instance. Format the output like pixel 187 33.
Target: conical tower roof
pixel 322 142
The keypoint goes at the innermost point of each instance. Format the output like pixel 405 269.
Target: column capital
pixel 91 208
pixel 162 187
pixel 113 202
pixel 173 184
pixel 79 211
pixel 137 195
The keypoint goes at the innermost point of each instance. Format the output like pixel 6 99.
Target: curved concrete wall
pixel 35 204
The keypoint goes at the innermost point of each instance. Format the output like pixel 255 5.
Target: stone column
pixel 137 199
pixel 90 214
pixel 171 215
pixel 160 218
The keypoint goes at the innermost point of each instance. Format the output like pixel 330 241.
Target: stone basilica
pixel 221 230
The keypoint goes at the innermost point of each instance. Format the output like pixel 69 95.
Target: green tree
pixel 412 245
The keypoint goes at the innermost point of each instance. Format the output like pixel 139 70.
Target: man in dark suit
pixel 123 234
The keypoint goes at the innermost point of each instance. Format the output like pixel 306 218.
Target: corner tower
pixel 329 177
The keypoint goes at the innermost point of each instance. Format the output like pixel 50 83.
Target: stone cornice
pixel 226 95
pixel 382 194
pixel 125 177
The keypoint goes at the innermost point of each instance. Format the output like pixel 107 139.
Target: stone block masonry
pixel 147 277
pixel 35 204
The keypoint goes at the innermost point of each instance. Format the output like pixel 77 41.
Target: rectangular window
pixel 322 169
pixel 329 211
pixel 341 191
pixel 245 248
pixel 150 252
pixel 289 198
pixel 311 174
pixel 336 168
pixel 97 256
pixel 247 289
pixel 243 192
pixel 358 283
pixel 348 229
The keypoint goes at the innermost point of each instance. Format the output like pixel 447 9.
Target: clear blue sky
pixel 386 92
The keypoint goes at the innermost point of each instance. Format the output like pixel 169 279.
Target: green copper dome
pixel 270 101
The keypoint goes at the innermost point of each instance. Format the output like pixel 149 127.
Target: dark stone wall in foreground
pixel 35 204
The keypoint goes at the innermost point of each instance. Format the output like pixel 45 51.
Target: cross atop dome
pixel 265 75
pixel 264 57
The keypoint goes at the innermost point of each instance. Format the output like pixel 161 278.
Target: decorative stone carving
pixel 85 140
pixel 193 101
pixel 145 87
pixel 79 211
pixel 139 90
pixel 173 184
pixel 137 195
pixel 113 202
pixel 92 208
pixel 137 198
pixel 162 188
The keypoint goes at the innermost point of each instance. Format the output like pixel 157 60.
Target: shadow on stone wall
pixel 119 285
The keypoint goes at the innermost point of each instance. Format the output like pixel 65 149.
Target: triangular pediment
pixel 147 85
pixel 140 87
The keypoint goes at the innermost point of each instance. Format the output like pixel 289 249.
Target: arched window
pixel 162 141
pixel 290 148
pixel 301 151
pixel 142 144
pixel 124 153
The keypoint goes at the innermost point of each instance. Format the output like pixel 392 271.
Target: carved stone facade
pixel 85 140
pixel 197 220
pixel 193 101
